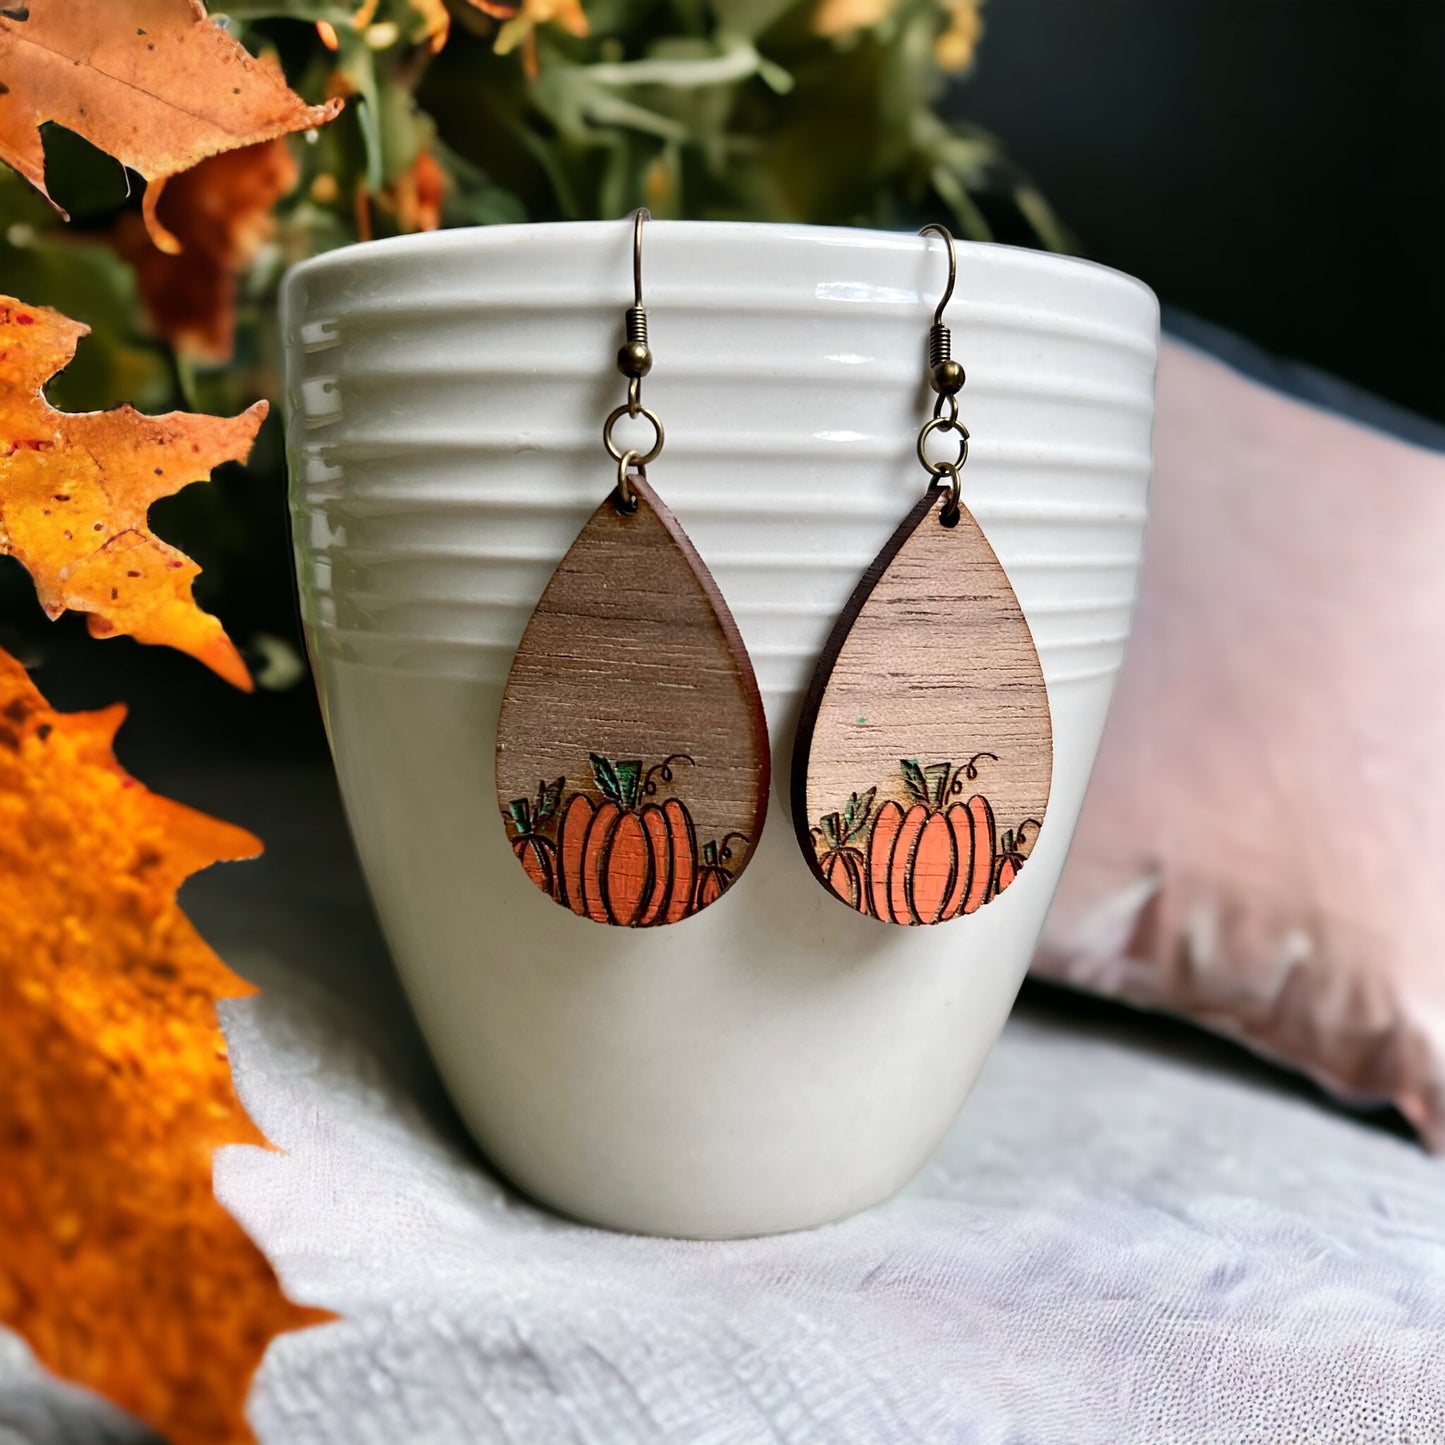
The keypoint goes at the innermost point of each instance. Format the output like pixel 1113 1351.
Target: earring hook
pixel 634 361
pixel 935 229
pixel 640 215
pixel 946 377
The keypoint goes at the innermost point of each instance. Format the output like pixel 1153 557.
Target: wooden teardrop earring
pixel 924 754
pixel 632 750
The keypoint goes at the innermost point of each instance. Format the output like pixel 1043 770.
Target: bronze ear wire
pixel 946 377
pixel 928 685
pixel 634 361
pixel 642 815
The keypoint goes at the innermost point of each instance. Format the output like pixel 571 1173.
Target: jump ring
pixel 945 424
pixel 626 497
pixel 616 452
pixel 949 515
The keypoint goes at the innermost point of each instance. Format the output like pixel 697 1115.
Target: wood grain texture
pixel 632 749
pixel 924 754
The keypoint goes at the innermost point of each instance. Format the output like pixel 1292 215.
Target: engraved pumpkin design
pixel 930 854
pixel 932 649
pixel 1013 848
pixel 841 838
pixel 536 853
pixel 625 858
pixel 630 656
pixel 714 876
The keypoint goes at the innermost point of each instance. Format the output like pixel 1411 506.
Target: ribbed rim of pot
pixel 464 238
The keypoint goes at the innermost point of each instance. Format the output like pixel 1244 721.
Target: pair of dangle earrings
pixel 632 748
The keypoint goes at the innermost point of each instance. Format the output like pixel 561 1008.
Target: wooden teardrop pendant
pixel 924 755
pixel 632 750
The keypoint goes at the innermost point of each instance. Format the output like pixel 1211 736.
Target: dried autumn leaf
pixel 75 489
pixel 416 196
pixel 117 1264
pixel 153 83
pixel 220 212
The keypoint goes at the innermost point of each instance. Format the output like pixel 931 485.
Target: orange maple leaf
pixel 153 83
pixel 75 489
pixel 220 213
pixel 117 1264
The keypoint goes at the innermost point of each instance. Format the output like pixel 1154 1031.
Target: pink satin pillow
pixel 1262 848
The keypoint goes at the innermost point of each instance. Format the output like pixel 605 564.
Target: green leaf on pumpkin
pixel 549 799
pixel 914 780
pixel 606 776
pixel 857 813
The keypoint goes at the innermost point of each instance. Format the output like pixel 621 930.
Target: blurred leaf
pixel 751 17
pixel 357 67
pixel 220 212
pixel 117 1264
pixel 333 10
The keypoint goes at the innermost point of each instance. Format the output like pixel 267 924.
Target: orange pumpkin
pixel 1013 848
pixel 624 861
pixel 840 838
pixel 537 854
pixel 1008 870
pixel 714 877
pixel 934 860
pixel 981 835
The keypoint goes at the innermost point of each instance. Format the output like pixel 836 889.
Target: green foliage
pixel 710 109
pixel 729 111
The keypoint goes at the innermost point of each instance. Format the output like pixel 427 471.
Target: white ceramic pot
pixel 776 1061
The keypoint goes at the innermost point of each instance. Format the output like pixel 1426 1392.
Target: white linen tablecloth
pixel 1115 1246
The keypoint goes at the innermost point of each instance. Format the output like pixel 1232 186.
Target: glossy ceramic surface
pixel 776 1061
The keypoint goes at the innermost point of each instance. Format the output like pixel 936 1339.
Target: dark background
pixel 1273 166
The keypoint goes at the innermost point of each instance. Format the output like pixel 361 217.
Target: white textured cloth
pixel 1113 1247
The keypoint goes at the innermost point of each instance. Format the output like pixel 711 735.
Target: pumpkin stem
pixel 629 775
pixel 937 776
pixel 521 814
pixel 620 783
pixel 709 854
